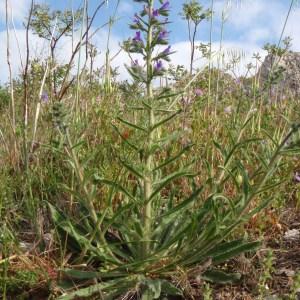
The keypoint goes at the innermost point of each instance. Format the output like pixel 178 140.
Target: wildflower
pixel 158 66
pixel 238 81
pixel 45 97
pixel 297 177
pixel 136 19
pixel 135 63
pixel 155 13
pixel 167 50
pixel 163 34
pixel 165 5
pixel 198 92
pixel 137 37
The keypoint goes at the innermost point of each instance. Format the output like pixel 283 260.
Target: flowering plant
pixel 153 237
pixel 150 31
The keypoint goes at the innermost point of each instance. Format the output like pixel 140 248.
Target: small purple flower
pixel 135 63
pixel 163 34
pixel 158 66
pixel 137 37
pixel 167 50
pixel 297 177
pixel 155 13
pixel 165 5
pixel 136 19
pixel 45 97
pixel 198 92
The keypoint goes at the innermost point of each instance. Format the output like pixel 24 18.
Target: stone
pixel 289 82
pixel 292 235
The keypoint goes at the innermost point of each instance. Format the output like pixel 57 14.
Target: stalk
pixel 210 56
pixel 147 214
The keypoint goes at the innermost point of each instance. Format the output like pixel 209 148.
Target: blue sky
pixel 249 25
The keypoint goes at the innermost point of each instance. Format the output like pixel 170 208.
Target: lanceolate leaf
pixel 160 123
pixel 131 125
pixel 117 186
pixel 132 169
pixel 217 276
pixel 169 179
pixel 232 251
pixel 172 159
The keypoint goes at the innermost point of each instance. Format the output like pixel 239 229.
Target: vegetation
pixel 140 190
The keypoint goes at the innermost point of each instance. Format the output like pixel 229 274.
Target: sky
pixel 248 26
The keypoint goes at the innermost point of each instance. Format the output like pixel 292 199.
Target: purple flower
pixel 155 13
pixel 167 50
pixel 158 66
pixel 135 63
pixel 136 19
pixel 297 177
pixel 45 97
pixel 199 92
pixel 163 34
pixel 137 37
pixel 165 5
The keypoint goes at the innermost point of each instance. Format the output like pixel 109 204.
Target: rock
pixel 289 67
pixel 292 235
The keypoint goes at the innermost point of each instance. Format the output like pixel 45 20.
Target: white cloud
pixel 292 29
pixel 17 51
pixel 39 48
pixel 250 24
pixel 18 9
pixel 230 50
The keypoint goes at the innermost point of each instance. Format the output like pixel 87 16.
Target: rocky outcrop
pixel 282 73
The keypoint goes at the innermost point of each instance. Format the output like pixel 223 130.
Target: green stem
pixel 147 213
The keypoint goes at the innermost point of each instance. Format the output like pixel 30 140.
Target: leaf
pixel 86 275
pixel 108 290
pixel 231 250
pixel 218 276
pixel 172 159
pixel 185 203
pixel 132 170
pixel 163 121
pixel 114 185
pixel 131 124
pixel 169 289
pixel 169 179
pixel 124 139
pixel 82 275
pixel 66 225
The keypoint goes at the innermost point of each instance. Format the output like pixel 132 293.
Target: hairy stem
pixel 147 214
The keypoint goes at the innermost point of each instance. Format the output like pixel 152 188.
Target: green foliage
pixel 194 12
pixel 142 240
pixel 4 98
pixel 44 20
pixel 147 193
pixel 18 281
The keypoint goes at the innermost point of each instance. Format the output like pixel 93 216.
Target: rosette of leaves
pixel 154 241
